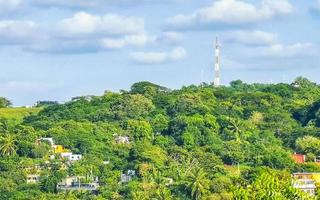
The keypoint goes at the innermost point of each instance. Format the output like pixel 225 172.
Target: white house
pixel 125 178
pixel 122 140
pixel 75 183
pixel 33 178
pixel 71 157
pixel 305 182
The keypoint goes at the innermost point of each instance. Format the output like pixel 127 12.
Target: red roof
pixel 299 158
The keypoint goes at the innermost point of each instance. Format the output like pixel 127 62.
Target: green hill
pixel 17 113
pixel 195 143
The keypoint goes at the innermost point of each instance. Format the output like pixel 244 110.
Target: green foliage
pixel 269 185
pixel 308 144
pixel 17 114
pixel 4 103
pixel 199 142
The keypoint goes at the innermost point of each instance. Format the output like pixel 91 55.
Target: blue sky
pixel 58 49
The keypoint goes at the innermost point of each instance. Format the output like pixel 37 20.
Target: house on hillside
pixel 86 98
pixel 306 182
pixel 122 140
pixel 78 183
pixel 127 177
pixel 299 158
pixel 59 149
pixel 71 157
pixel 33 178
pixel 49 140
pixel 55 148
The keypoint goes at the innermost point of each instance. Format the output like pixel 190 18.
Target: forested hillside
pixel 198 142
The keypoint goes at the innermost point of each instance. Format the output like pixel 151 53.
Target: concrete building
pixel 127 177
pixel 33 178
pixel 299 158
pixel 78 183
pixel 122 140
pixel 306 182
pixel 71 157
pixel 59 149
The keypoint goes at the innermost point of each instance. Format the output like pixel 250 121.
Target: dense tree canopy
pixel 198 142
pixel 4 103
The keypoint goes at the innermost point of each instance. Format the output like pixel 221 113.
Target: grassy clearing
pixel 17 113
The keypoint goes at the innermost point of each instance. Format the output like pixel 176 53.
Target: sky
pixel 59 49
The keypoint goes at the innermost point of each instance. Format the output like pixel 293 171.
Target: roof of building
pixel 306 173
pixel 299 158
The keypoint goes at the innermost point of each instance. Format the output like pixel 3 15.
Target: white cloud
pixel 18 32
pixel 132 40
pixel 158 57
pixel 9 5
pixel 85 24
pixel 66 3
pixel 82 33
pixel 110 43
pixel 140 40
pixel 170 37
pixel 290 51
pixel 87 33
pixel 233 12
pixel 85 4
pixel 255 37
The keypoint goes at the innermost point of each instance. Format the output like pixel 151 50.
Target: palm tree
pixel 163 193
pixel 234 127
pixel 7 145
pixel 4 126
pixel 197 183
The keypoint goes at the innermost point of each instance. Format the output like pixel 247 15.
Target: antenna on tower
pixel 217 64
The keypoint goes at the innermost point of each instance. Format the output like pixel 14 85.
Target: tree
pixel 159 123
pixel 145 87
pixel 141 130
pixel 303 82
pixel 237 129
pixel 4 103
pixel 269 185
pixel 135 106
pixel 8 145
pixel 197 183
pixel 308 144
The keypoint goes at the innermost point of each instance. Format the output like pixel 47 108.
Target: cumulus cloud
pixel 82 33
pixel 290 51
pixel 232 12
pixel 152 58
pixel 129 40
pixel 255 37
pixel 84 24
pixel 170 37
pixel 87 33
pixel 18 32
pixel 9 5
pixel 94 3
pixel 66 3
